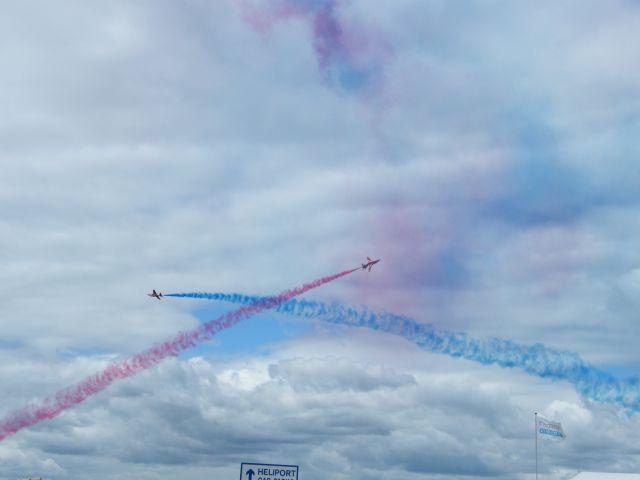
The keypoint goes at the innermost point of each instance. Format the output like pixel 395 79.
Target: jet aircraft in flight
pixel 155 294
pixel 370 263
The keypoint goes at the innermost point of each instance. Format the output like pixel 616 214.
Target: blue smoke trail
pixel 534 359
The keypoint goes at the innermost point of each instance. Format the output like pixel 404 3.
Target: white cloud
pixel 338 413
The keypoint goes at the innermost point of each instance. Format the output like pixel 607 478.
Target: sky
pixel 486 151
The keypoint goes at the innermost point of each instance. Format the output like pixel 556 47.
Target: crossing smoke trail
pixel 535 359
pixel 67 398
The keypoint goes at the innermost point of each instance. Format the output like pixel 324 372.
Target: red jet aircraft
pixel 155 294
pixel 370 263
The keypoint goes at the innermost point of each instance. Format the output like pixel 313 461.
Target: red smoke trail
pixel 70 396
pixel 351 58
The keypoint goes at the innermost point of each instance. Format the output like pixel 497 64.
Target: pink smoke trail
pixel 351 58
pixel 70 396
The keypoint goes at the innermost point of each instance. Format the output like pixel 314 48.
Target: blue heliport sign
pixel 268 471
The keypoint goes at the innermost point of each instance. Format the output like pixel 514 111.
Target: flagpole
pixel 535 420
